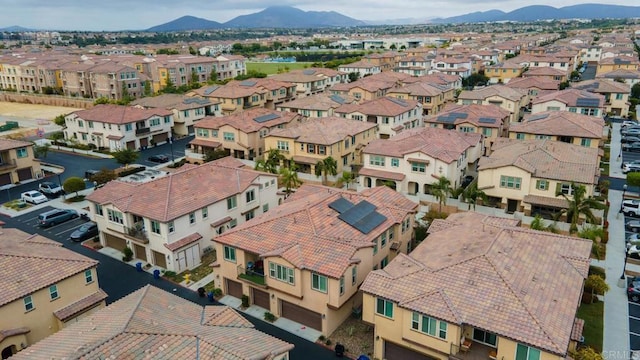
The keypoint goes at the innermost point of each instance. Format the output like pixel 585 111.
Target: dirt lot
pixel 31 117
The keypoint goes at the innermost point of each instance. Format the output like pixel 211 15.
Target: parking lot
pixel 59 231
pixel 634 308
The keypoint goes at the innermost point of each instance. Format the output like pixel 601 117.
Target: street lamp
pixel 171 145
pixel 624 190
pixel 621 282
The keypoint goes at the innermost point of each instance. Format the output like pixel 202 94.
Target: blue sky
pixel 92 15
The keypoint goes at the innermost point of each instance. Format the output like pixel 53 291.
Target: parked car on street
pixel 633 225
pixel 631 146
pixel 630 167
pixel 633 289
pixel 629 139
pixel 467 181
pixel 633 239
pixel 158 158
pixel 631 207
pixel 33 197
pixel 49 188
pixel 56 216
pixel 634 131
pixel 87 231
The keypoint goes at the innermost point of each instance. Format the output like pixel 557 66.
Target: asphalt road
pixel 589 73
pixel 119 279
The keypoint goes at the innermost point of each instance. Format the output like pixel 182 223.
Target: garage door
pixel 24 174
pixel 159 259
pixel 115 242
pixel 396 352
pixel 261 298
pixel 160 138
pixel 234 288
pixel 299 314
pixel 140 252
pixel 5 179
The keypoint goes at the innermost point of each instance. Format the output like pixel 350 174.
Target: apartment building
pixel 187 110
pixel 319 105
pixel 572 100
pixel 17 162
pixel 170 221
pixel 512 100
pixel 564 126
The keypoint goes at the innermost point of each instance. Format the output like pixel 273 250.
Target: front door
pixel 512 206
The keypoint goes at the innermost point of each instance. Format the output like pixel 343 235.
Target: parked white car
pixel 34 197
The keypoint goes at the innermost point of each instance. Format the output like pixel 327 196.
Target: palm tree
pixel 579 204
pixel 290 178
pixel 471 195
pixel 441 190
pixel 347 178
pixel 326 167
pixel 271 162
pixel 538 224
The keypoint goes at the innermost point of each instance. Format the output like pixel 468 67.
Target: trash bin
pixel 210 296
pixel 139 267
pixel 156 274
pixel 201 292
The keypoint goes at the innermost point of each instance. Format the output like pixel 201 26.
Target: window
pixel 376 160
pixel 250 215
pixel 566 189
pixel 542 185
pixel 383 239
pixel 510 182
pixel 341 285
pixel 486 132
pixel 28 303
pixel 619 96
pixel 214 133
pixel 128 127
pixel 154 122
pixel 229 253
pixel 115 216
pixel 202 132
pixel 233 223
pixel 429 325
pixel 250 195
pixel 192 218
pixel 167 119
pixel 205 213
pixel 585 142
pixel 88 277
pixel 395 162
pixel 319 282
pixel 228 136
pixel 283 145
pixel 282 273
pixel 543 137
pixel 231 203
pixel 22 152
pixel 520 136
pixel 375 246
pixel 80 123
pixel 155 227
pixel 405 225
pixel 384 307
pixel 418 167
pixel 467 129
pixel 384 262
pixel 321 149
pixel 171 226
pixel 99 210
pixel 53 292
pixel 354 275
pixel 524 352
pixel 391 234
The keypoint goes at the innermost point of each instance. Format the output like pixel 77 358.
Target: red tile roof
pixel 81 305
pixel 189 239
pixel 116 114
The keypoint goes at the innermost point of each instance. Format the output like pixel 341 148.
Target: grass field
pixel 272 68
pixel 592 314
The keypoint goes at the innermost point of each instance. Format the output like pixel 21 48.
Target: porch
pixel 473 351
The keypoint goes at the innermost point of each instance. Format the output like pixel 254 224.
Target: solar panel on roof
pixel 446 119
pixel 267 117
pixel 588 102
pixel 308 71
pixel 487 120
pixel 538 117
pixel 457 115
pixel 621 61
pixel 341 205
pixel 398 101
pixel 337 98
pixel 370 222
pixel 362 216
pixel 248 83
pixel 210 89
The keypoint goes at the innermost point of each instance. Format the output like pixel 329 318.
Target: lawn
pixel 273 68
pixel 592 314
pixel 258 279
pixel 196 274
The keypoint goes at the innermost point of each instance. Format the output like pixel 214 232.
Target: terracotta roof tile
pixel 474 112
pixel 8 144
pixel 570 97
pixel 189 239
pixel 247 120
pixel 560 123
pixel 81 305
pixel 384 106
pixel 514 282
pixel 493 90
pixel 116 114
pixel 324 131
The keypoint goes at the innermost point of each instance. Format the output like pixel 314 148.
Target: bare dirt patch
pixel 33 111
pixel 355 335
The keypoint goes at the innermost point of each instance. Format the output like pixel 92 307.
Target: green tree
pixel 579 204
pixel 147 88
pixel 101 100
pixel 633 179
pixel 59 120
pixel 353 76
pixel 563 85
pixel 472 194
pixel 290 180
pixel 169 87
pixel 635 91
pixel 596 284
pixel 192 51
pixel 213 76
pixel 73 185
pixel 475 79
pixel 41 150
pixel 271 162
pixel 347 178
pixel 441 191
pixel 538 224
pixel 104 176
pixel 326 167
pixel 195 83
pixel 125 156
pixel 216 154
pixel 586 353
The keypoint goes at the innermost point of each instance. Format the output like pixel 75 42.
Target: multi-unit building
pixel 170 221
pixel 133 326
pixel 319 138
pixel 45 288
pixel 117 127
pixel 568 127
pixel 17 162
pixel 312 80
pixel 319 105
pixel 510 99
pixel 413 160
pixel 609 64
pixel 433 97
pixel 306 259
pixel 187 110
pixel 362 68
pixel 504 72
pixel 572 100
pixel 424 305
pixel 616 94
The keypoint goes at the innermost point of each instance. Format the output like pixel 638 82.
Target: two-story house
pixel 186 110
pixel 136 326
pixel 362 68
pixel 414 65
pixel 17 162
pixel 318 105
pixel 170 221
pixel 433 97
pixel 319 138
pixel 45 287
pixel 393 115
pixel 547 73
pixel 630 77
pixel 452 65
pixel 312 80
pixel 306 259
pixel 424 305
pixel 616 94
pixel 413 160
pixel 572 100
pixel 512 100
pixel 364 89
pixel 503 73
pixel 117 127
pixel 534 87
pixel 242 135
pixel 608 64
pixel 572 128
pixel 526 175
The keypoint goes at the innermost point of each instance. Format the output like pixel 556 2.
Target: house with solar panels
pixel 489 120
pixel 305 259
pixel 318 105
pixel 616 94
pixel 241 135
pixel 392 115
pixel 510 99
pixel 572 100
pixel 568 127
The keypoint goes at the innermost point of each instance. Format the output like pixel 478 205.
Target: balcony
pixel 474 351
pixel 137 233
pixel 254 273
pixel 145 130
pixel 9 164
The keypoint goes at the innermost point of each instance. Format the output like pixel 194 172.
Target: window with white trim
pixel 384 307
pixel 319 282
pixel 171 226
pixel 53 292
pixel 510 182
pixel 341 285
pixel 429 325
pixel 281 273
pixel 354 275
pixel 229 253
pixel 376 160
pixel 524 352
pixel 155 227
pixel 88 276
pixel 28 303
pixel 115 216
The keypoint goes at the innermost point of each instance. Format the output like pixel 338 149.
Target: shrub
pixel 217 292
pixel 597 270
pixel 130 171
pixel 245 301
pixel 322 338
pixel 328 342
pixel 269 317
pixel 128 254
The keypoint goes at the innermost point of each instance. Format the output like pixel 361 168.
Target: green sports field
pixel 272 68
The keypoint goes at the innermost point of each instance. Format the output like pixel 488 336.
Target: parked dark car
pixel 158 158
pixel 633 225
pixel 631 147
pixel 629 139
pixel 633 289
pixel 467 181
pixel 88 230
pixel 634 131
pixel 56 216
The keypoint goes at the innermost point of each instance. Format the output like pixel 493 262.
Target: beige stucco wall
pixel 595 142
pixel 537 108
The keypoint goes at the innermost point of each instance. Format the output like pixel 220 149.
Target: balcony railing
pixel 11 163
pixel 137 232
pixel 253 276
pixel 145 130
